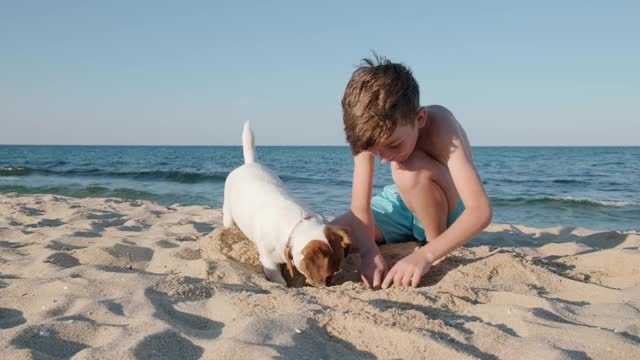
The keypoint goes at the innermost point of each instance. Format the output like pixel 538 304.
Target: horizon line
pixel 272 145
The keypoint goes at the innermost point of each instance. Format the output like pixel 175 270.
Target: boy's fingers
pixel 377 279
pixel 406 279
pixel 388 278
pixel 397 279
pixel 416 279
pixel 365 280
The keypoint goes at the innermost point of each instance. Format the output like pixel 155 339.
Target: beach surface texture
pixel 102 278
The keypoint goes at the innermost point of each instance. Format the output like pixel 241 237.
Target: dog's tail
pixel 248 144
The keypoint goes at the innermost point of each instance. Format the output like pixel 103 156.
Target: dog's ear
pixel 289 257
pixel 340 241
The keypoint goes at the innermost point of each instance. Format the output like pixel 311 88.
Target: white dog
pixel 256 200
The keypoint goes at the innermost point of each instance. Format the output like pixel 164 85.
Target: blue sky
pixel 188 72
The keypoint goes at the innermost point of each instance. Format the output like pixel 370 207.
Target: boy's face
pixel 400 145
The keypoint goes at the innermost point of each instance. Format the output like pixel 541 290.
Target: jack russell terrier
pixel 283 230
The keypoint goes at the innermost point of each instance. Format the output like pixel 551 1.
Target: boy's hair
pixel 379 96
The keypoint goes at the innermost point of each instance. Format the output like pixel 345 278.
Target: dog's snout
pixel 318 284
pixel 329 280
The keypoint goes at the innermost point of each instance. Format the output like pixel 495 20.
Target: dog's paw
pixel 275 276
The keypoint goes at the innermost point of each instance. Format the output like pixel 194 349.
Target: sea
pixel 592 187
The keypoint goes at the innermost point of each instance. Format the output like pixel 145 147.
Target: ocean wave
pixel 168 175
pixel 165 175
pixel 15 170
pixel 537 181
pixel 82 192
pixel 566 201
pixel 310 180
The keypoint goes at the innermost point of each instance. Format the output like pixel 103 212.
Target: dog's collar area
pixel 295 226
pixel 287 248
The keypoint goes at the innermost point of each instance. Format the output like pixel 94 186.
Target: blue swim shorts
pixel 396 222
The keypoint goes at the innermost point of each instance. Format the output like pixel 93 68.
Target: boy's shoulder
pixel 442 133
pixel 440 116
pixel 439 109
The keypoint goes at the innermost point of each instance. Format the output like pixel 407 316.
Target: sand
pixel 107 278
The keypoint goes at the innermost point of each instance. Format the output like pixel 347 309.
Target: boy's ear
pixel 421 121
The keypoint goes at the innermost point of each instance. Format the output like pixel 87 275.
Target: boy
pixel 437 194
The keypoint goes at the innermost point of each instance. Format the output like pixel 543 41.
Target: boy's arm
pixel 476 216
pixel 477 213
pixel 361 199
pixel 372 265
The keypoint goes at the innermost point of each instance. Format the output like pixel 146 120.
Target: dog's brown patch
pixel 316 264
pixel 321 260
pixel 340 242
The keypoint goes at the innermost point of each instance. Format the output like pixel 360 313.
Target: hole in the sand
pixel 107 215
pixel 165 311
pixel 202 228
pixel 123 270
pixel 234 245
pixel 29 211
pixel 132 228
pixel 11 318
pixel 8 244
pixel 62 259
pixel 60 246
pixel 101 225
pixel 86 234
pixel 50 223
pixel 47 341
pixel 166 244
pixel 129 256
pixel 113 306
pixel 167 345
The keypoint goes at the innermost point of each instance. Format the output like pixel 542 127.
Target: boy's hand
pixel 372 268
pixel 408 271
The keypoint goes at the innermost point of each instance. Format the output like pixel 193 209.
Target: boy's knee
pixel 429 193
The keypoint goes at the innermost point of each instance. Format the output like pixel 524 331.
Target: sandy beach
pixel 106 278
